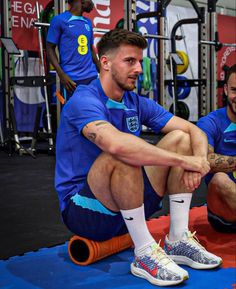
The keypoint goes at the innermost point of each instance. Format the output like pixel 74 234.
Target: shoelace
pixel 159 254
pixel 194 240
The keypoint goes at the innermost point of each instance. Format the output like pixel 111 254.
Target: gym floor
pixel 34 241
pixel 29 208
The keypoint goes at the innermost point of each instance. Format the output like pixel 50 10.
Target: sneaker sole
pixel 189 262
pixel 145 275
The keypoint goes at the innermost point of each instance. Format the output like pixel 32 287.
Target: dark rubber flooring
pixel 29 214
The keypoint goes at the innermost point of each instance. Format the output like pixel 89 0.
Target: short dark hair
pixel 117 37
pixel 230 70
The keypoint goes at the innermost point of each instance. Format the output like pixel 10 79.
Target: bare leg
pixel 174 183
pixel 164 178
pixel 170 179
pixel 120 187
pixel 115 184
pixel 221 198
pixel 180 196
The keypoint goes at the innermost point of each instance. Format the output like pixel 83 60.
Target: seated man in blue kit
pixel 73 34
pixel 109 180
pixel 220 128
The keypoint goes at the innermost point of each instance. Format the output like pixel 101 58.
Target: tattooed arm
pixel 221 163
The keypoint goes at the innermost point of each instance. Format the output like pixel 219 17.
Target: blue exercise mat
pixel 51 268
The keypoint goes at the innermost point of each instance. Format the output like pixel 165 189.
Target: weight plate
pixel 183 90
pixel 182 110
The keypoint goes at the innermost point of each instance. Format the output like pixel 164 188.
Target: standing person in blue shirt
pixel 72 33
pixel 109 180
pixel 220 128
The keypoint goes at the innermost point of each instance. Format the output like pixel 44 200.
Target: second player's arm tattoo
pixel 221 163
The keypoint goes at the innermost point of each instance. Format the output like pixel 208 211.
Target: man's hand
pixel 191 180
pixel 196 164
pixel 195 168
pixel 68 83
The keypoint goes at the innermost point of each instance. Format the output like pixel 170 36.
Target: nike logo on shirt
pixel 229 140
pixel 70 26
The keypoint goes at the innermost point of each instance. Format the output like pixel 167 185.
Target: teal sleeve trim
pixel 73 17
pixel 111 104
pixel 231 127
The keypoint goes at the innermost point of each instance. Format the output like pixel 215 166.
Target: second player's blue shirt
pixel 75 153
pixel 221 133
pixel 74 36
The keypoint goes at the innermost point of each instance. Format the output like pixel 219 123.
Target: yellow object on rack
pixel 182 68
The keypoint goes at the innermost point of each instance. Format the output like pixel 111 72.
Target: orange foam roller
pixel 83 251
pixel 60 97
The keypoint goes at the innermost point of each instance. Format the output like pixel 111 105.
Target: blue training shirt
pixel 75 154
pixel 74 36
pixel 221 133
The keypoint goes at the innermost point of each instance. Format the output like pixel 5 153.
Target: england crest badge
pixel 132 123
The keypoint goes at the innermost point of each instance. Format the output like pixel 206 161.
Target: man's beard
pixel 121 84
pixel 230 105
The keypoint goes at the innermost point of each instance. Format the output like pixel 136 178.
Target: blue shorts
pixel 221 225
pixel 87 217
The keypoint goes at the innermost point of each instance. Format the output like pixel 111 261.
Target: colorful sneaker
pixel 156 267
pixel 190 252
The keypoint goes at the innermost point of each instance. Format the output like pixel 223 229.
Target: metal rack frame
pixel 6 76
pixel 207 73
pixel 7 59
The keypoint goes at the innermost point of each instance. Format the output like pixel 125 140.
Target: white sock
pixel 179 215
pixel 137 227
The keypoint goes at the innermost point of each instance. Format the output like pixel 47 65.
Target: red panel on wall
pixel 227 55
pixel 105 15
pixel 23 14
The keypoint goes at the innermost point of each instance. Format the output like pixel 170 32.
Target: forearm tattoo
pixel 222 163
pixel 231 161
pixel 219 161
pixel 100 123
pixel 92 136
pixel 212 156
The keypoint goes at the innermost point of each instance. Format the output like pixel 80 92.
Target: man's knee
pixel 106 163
pixel 222 188
pixel 177 141
pixel 184 143
pixel 221 197
pixel 219 182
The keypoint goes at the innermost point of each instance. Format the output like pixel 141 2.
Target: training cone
pixel 83 251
